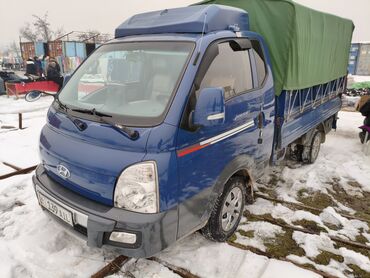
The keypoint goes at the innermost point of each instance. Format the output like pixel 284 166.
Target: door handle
pixel 260 120
pixel 260 127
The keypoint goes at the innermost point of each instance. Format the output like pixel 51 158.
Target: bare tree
pixel 42 25
pixel 28 33
pixel 58 33
pixel 40 29
pixel 14 47
pixel 88 35
pixel 11 49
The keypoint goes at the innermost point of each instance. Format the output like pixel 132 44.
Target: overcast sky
pixel 81 15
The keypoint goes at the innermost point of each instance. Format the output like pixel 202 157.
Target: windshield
pixel 131 81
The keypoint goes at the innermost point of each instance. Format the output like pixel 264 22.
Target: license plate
pixel 55 209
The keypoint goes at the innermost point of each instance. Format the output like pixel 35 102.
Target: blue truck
pixel 162 131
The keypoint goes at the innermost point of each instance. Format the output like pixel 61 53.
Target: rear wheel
pixel 227 211
pixel 314 148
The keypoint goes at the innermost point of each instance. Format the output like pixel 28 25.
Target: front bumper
pixel 95 222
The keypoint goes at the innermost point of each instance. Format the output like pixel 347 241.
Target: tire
pixel 249 196
pixel 227 212
pixel 314 148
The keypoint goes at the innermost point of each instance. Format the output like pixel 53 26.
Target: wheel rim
pixel 315 147
pixel 231 209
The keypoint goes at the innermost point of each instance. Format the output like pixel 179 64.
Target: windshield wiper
pixel 61 105
pixel 92 112
pixel 132 134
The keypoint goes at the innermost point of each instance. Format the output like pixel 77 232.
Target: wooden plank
pixel 20 172
pixel 111 268
pixel 12 166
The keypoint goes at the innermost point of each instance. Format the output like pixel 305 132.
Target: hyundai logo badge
pixel 63 171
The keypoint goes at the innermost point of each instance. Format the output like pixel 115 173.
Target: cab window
pixel 260 62
pixel 230 70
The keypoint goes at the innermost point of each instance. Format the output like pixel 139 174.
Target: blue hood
pixel 94 157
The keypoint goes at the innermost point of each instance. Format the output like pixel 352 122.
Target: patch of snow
pixel 331 269
pixel 144 268
pixel 5 169
pixel 361 78
pixel 260 207
pixel 210 259
pixel 306 215
pixel 276 211
pixel 262 231
pixel 312 244
pixel 332 162
pixel 20 147
pixel 12 106
pixel 352 257
pixel 367 236
pixel 32 244
pixel 350 228
pixel 274 267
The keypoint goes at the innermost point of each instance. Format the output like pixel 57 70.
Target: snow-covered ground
pixel 33 245
pixel 361 78
pixel 20 147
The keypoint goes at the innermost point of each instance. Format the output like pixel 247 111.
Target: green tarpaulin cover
pixel 307 47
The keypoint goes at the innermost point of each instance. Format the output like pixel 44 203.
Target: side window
pixel 260 62
pixel 230 70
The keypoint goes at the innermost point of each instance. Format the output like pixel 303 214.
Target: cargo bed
pixel 299 111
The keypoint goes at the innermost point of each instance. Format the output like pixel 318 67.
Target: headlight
pixel 137 188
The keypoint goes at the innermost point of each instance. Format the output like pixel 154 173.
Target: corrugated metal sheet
pixel 81 50
pixel 39 49
pixel 353 56
pixel 55 48
pixel 363 63
pixel 28 50
pixel 70 49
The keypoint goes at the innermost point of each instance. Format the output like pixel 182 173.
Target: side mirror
pixel 33 96
pixel 210 108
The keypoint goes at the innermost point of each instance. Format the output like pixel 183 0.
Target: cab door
pixel 264 88
pixel 204 152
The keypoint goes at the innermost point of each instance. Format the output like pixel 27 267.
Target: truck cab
pixel 161 131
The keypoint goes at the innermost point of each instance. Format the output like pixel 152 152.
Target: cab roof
pixel 193 19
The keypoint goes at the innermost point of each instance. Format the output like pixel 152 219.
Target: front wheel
pixel 227 211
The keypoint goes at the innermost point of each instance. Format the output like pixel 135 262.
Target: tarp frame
pixel 307 100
